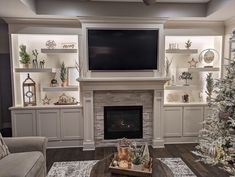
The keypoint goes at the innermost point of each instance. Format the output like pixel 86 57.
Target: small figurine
pixel 42 63
pixel 35 61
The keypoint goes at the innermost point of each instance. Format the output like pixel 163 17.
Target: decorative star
pixel 193 63
pixel 46 100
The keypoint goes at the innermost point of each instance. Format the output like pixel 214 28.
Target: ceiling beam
pixel 119 9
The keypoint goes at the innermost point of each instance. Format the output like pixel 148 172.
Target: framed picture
pixel 73 74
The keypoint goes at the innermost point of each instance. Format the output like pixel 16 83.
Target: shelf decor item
pixel 209 86
pixel 46 100
pixel 25 58
pixel 186 76
pixel 188 44
pixel 50 44
pixel 54 83
pixel 63 75
pixel 208 56
pixel 66 100
pixel 68 45
pixel 42 64
pixel 35 60
pixel 73 74
pixel 193 63
pixel 185 98
pixel 167 67
pixel 29 92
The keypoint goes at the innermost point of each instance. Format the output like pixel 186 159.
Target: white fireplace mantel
pixel 89 85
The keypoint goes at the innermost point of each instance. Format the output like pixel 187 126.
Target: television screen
pixel 122 49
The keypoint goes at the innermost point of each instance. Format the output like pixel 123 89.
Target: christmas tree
pixel 216 139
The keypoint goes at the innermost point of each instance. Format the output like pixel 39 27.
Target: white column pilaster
pixel 88 114
pixel 158 123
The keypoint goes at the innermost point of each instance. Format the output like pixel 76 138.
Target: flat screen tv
pixel 123 49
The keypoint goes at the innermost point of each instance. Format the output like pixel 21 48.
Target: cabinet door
pixel 48 124
pixel 192 120
pixel 172 121
pixel 71 124
pixel 23 123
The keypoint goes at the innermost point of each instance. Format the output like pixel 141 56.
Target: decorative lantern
pixel 29 92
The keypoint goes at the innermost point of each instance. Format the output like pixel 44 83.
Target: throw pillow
pixel 3 148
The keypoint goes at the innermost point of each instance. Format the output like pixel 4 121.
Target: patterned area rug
pixel 178 167
pixel 83 168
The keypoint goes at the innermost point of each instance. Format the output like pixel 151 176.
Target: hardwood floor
pixel 174 150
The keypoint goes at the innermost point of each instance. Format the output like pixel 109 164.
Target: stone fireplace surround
pixel 99 92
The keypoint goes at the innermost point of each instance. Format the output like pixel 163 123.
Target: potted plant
pixel 63 75
pixel 25 58
pixel 136 154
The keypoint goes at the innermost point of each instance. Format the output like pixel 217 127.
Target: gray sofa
pixel 27 158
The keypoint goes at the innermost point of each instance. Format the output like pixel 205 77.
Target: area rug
pixel 83 168
pixel 178 167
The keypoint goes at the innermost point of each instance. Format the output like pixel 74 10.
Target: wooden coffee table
pixel 101 169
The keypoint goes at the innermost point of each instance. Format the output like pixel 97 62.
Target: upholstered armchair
pixel 27 157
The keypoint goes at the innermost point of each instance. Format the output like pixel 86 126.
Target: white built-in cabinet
pixel 182 123
pixel 57 124
pixel 48 123
pixel 23 122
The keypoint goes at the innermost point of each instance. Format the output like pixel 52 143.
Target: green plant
pixel 63 72
pixel 188 44
pixel 136 154
pixel 25 58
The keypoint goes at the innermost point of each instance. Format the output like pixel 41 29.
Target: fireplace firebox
pixel 123 121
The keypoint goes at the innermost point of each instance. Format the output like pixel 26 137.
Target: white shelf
pixel 203 69
pixel 181 87
pixel 182 51
pixel 60 89
pixel 30 70
pixel 59 51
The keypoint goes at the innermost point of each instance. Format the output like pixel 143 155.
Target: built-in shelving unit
pixel 182 51
pixel 57 51
pixel 29 70
pixel 214 69
pixel 60 89
pixel 51 74
pixel 187 60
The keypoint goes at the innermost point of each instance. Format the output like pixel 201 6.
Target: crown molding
pixel 193 23
pixel 123 20
pixel 44 21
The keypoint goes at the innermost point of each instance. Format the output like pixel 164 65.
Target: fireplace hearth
pixel 123 121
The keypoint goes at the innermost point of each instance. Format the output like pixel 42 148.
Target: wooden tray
pixel 131 171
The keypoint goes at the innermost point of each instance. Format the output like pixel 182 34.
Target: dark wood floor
pixel 176 150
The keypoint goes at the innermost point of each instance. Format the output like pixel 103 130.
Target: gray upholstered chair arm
pixel 26 144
